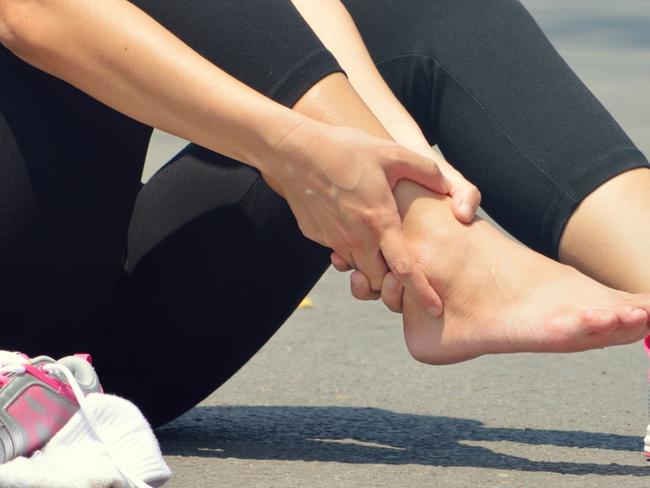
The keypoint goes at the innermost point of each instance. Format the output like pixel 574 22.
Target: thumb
pixel 412 166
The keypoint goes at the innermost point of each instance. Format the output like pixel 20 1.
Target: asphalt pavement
pixel 335 400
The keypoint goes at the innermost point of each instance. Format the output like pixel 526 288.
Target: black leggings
pixel 92 260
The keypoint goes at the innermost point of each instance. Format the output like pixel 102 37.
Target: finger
pixel 399 260
pixel 418 168
pixel 339 263
pixel 373 267
pixel 465 200
pixel 392 292
pixel 343 258
pixel 360 287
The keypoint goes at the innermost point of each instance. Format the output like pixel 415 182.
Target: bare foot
pixel 501 297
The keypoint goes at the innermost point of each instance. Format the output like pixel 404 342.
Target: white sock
pixel 76 458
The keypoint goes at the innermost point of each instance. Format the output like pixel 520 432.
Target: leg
pixel 530 135
pixel 501 297
pixel 211 278
pixel 484 83
pixel 69 175
pixel 189 256
pixel 176 280
pixel 216 262
pixel 492 304
pixel 66 194
pixel 607 238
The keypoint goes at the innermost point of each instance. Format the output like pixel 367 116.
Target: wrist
pixel 410 136
pixel 419 146
pixel 275 131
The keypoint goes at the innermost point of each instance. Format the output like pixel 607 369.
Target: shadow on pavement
pixel 375 436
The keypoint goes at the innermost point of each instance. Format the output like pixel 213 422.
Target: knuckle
pixel 394 152
pixel 312 236
pixel 402 268
pixel 375 283
pixel 392 300
pixel 356 294
pixel 354 242
pixel 477 195
pixel 360 293
pixel 338 246
pixel 422 288
pixel 390 305
pixel 342 245
pixel 340 264
pixel 421 260
pixel 433 167
pixel 374 221
pixel 367 216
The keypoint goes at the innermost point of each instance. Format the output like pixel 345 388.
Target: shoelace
pixel 15 363
pixel 11 363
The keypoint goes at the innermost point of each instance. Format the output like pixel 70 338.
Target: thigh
pixel 216 264
pixel 69 174
pixel 483 82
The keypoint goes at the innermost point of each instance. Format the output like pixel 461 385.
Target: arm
pixel 139 68
pixel 336 29
pixel 119 55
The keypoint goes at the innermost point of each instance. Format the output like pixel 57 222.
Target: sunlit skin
pixel 339 144
pixel 608 237
pixel 492 304
pixel 499 296
pixel 139 68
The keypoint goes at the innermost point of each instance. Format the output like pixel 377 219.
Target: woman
pixel 141 275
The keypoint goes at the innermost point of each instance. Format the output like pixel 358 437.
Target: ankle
pixel 440 242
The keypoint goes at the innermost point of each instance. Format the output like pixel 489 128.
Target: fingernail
pixel 357 278
pixel 434 310
pixel 391 282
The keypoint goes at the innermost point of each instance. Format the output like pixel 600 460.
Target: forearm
pixel 119 55
pixel 333 24
pixel 335 27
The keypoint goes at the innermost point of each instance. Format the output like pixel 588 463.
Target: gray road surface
pixel 334 400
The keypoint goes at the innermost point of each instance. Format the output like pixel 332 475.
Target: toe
pixel 627 336
pixel 632 317
pixel 599 321
pixel 642 300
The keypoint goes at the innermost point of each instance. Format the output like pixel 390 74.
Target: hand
pixel 338 182
pixel 465 202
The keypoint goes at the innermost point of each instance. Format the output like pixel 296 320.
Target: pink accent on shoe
pixel 59 387
pixel 646 344
pixel 40 414
pixel 86 357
